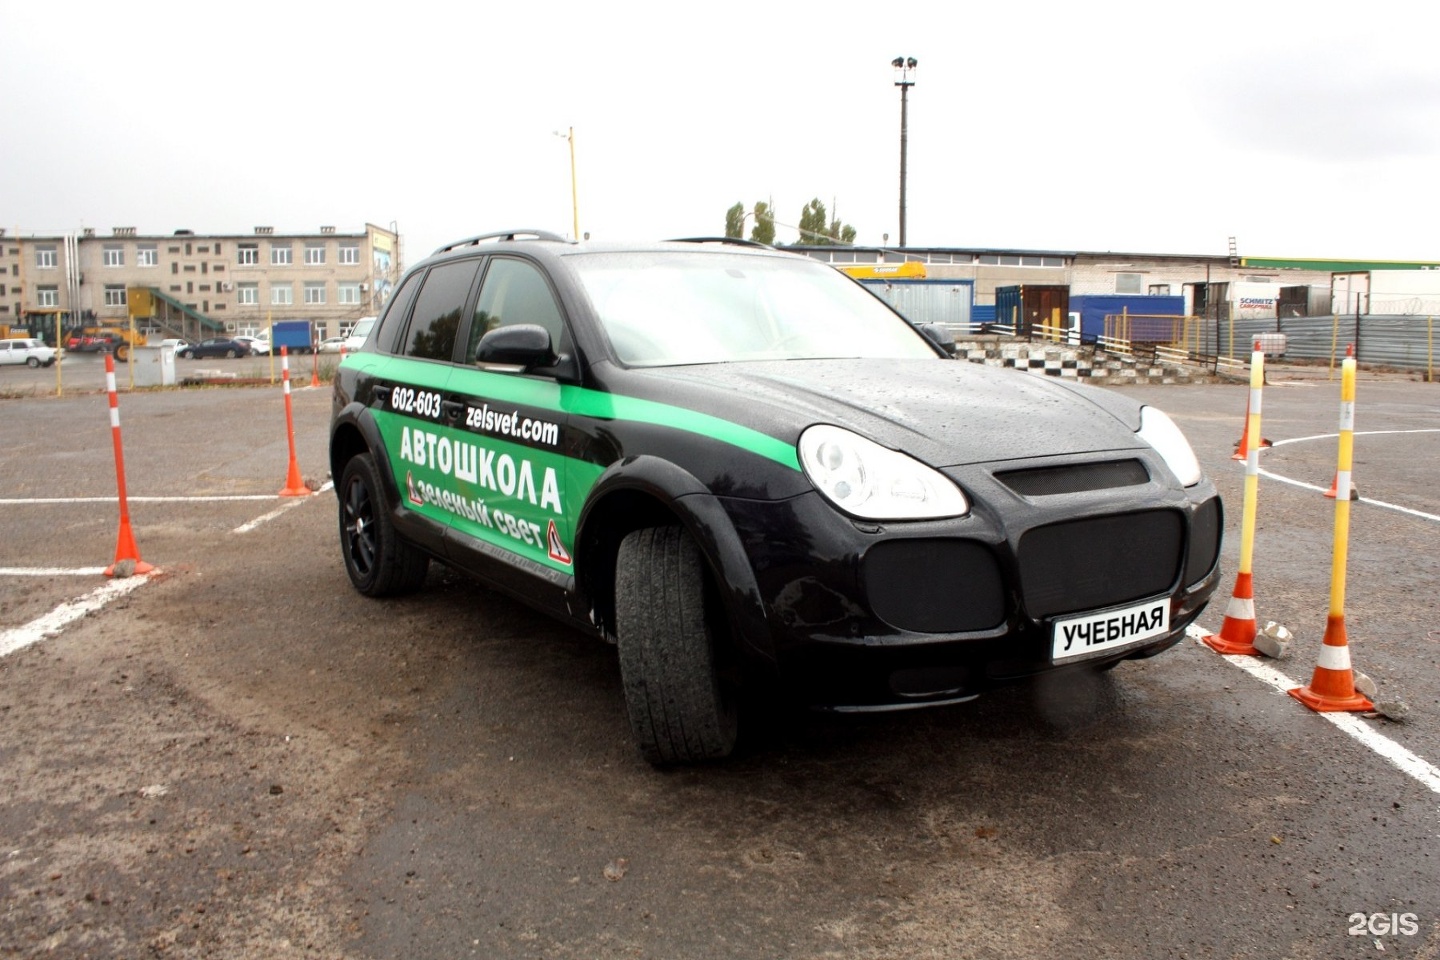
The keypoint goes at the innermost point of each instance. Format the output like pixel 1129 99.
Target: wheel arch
pixel 647 492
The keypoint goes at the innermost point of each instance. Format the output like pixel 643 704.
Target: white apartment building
pixel 194 285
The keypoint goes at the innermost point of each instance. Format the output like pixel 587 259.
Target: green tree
pixel 735 221
pixel 817 229
pixel 813 224
pixel 764 229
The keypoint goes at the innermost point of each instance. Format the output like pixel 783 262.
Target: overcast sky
pixel 1133 127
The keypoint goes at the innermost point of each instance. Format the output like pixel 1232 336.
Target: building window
pixel 350 253
pixel 114 256
pixel 1159 289
pixel 47 296
pixel 248 294
pixel 249 254
pixel 45 258
pixel 315 292
pixel 147 256
pixel 1129 283
pixel 114 295
pixel 282 295
pixel 314 254
pixel 348 293
pixel 281 256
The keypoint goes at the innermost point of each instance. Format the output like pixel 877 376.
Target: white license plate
pixel 1098 632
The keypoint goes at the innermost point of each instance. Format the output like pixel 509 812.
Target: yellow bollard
pixel 1332 687
pixel 1237 633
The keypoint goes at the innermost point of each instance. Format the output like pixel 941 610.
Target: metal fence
pixel 1407 342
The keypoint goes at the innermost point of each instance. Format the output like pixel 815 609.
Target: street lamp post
pixel 904 73
pixel 574 197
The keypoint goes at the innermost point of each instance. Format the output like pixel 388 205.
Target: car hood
pixel 945 412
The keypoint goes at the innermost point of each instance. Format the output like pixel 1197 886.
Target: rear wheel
pixel 378 561
pixel 229 354
pixel 122 352
pixel 676 654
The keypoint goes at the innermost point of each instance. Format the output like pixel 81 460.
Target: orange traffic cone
pixel 125 549
pixel 294 483
pixel 315 369
pixel 1242 448
pixel 1332 687
pixel 1237 633
pixel 1334 490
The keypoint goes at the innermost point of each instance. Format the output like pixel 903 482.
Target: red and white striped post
pixel 294 484
pixel 125 548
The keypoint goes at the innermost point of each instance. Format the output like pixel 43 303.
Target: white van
pixel 359 333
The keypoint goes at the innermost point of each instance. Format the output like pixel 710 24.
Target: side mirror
pixel 940 335
pixel 523 345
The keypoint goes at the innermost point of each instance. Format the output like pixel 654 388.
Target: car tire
pixel 229 354
pixel 32 362
pixel 675 649
pixel 379 563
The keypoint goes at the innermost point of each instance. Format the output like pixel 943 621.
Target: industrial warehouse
pixel 190 285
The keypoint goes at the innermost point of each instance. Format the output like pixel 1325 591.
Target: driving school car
pixel 758 481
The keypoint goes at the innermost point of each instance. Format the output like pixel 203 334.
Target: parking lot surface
pixel 242 757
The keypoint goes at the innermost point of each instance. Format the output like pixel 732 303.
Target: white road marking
pixel 1332 436
pixel 56 620
pixel 51 571
pixel 1422 770
pixel 294 502
pixel 200 499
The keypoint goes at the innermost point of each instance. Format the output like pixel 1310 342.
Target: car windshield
pixel 670 309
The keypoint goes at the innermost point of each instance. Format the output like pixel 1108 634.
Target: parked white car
pixel 31 352
pixel 257 346
pixel 359 333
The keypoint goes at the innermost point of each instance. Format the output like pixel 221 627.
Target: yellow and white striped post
pixel 1332 686
pixel 1237 633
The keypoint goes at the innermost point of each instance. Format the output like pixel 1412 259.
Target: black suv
pixel 751 474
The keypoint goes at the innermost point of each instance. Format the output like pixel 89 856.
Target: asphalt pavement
pixel 241 757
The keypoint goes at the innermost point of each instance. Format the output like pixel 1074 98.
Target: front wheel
pixel 122 353
pixel 379 563
pixel 229 354
pixel 32 362
pixel 676 652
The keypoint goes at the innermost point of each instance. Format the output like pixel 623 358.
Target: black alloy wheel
pixel 378 562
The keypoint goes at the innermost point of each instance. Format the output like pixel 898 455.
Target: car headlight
pixel 867 480
pixel 1158 430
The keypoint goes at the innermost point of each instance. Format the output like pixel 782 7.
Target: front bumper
pixel 868 615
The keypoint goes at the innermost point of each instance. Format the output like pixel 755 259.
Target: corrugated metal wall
pixel 930 301
pixel 1408 342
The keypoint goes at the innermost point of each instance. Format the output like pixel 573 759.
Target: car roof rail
pixel 734 241
pixel 503 235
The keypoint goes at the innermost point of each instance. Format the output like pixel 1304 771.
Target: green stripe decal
pixel 609 406
pixel 567 399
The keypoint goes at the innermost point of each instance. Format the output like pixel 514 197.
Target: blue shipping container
pixel 1094 308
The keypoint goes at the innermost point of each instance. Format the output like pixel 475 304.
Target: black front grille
pixel 934 586
pixel 1100 562
pixel 1075 478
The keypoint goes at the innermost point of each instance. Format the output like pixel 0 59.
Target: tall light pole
pixel 904 71
pixel 574 197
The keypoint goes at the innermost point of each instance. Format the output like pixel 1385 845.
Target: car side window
pixel 435 321
pixel 392 322
pixel 515 291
